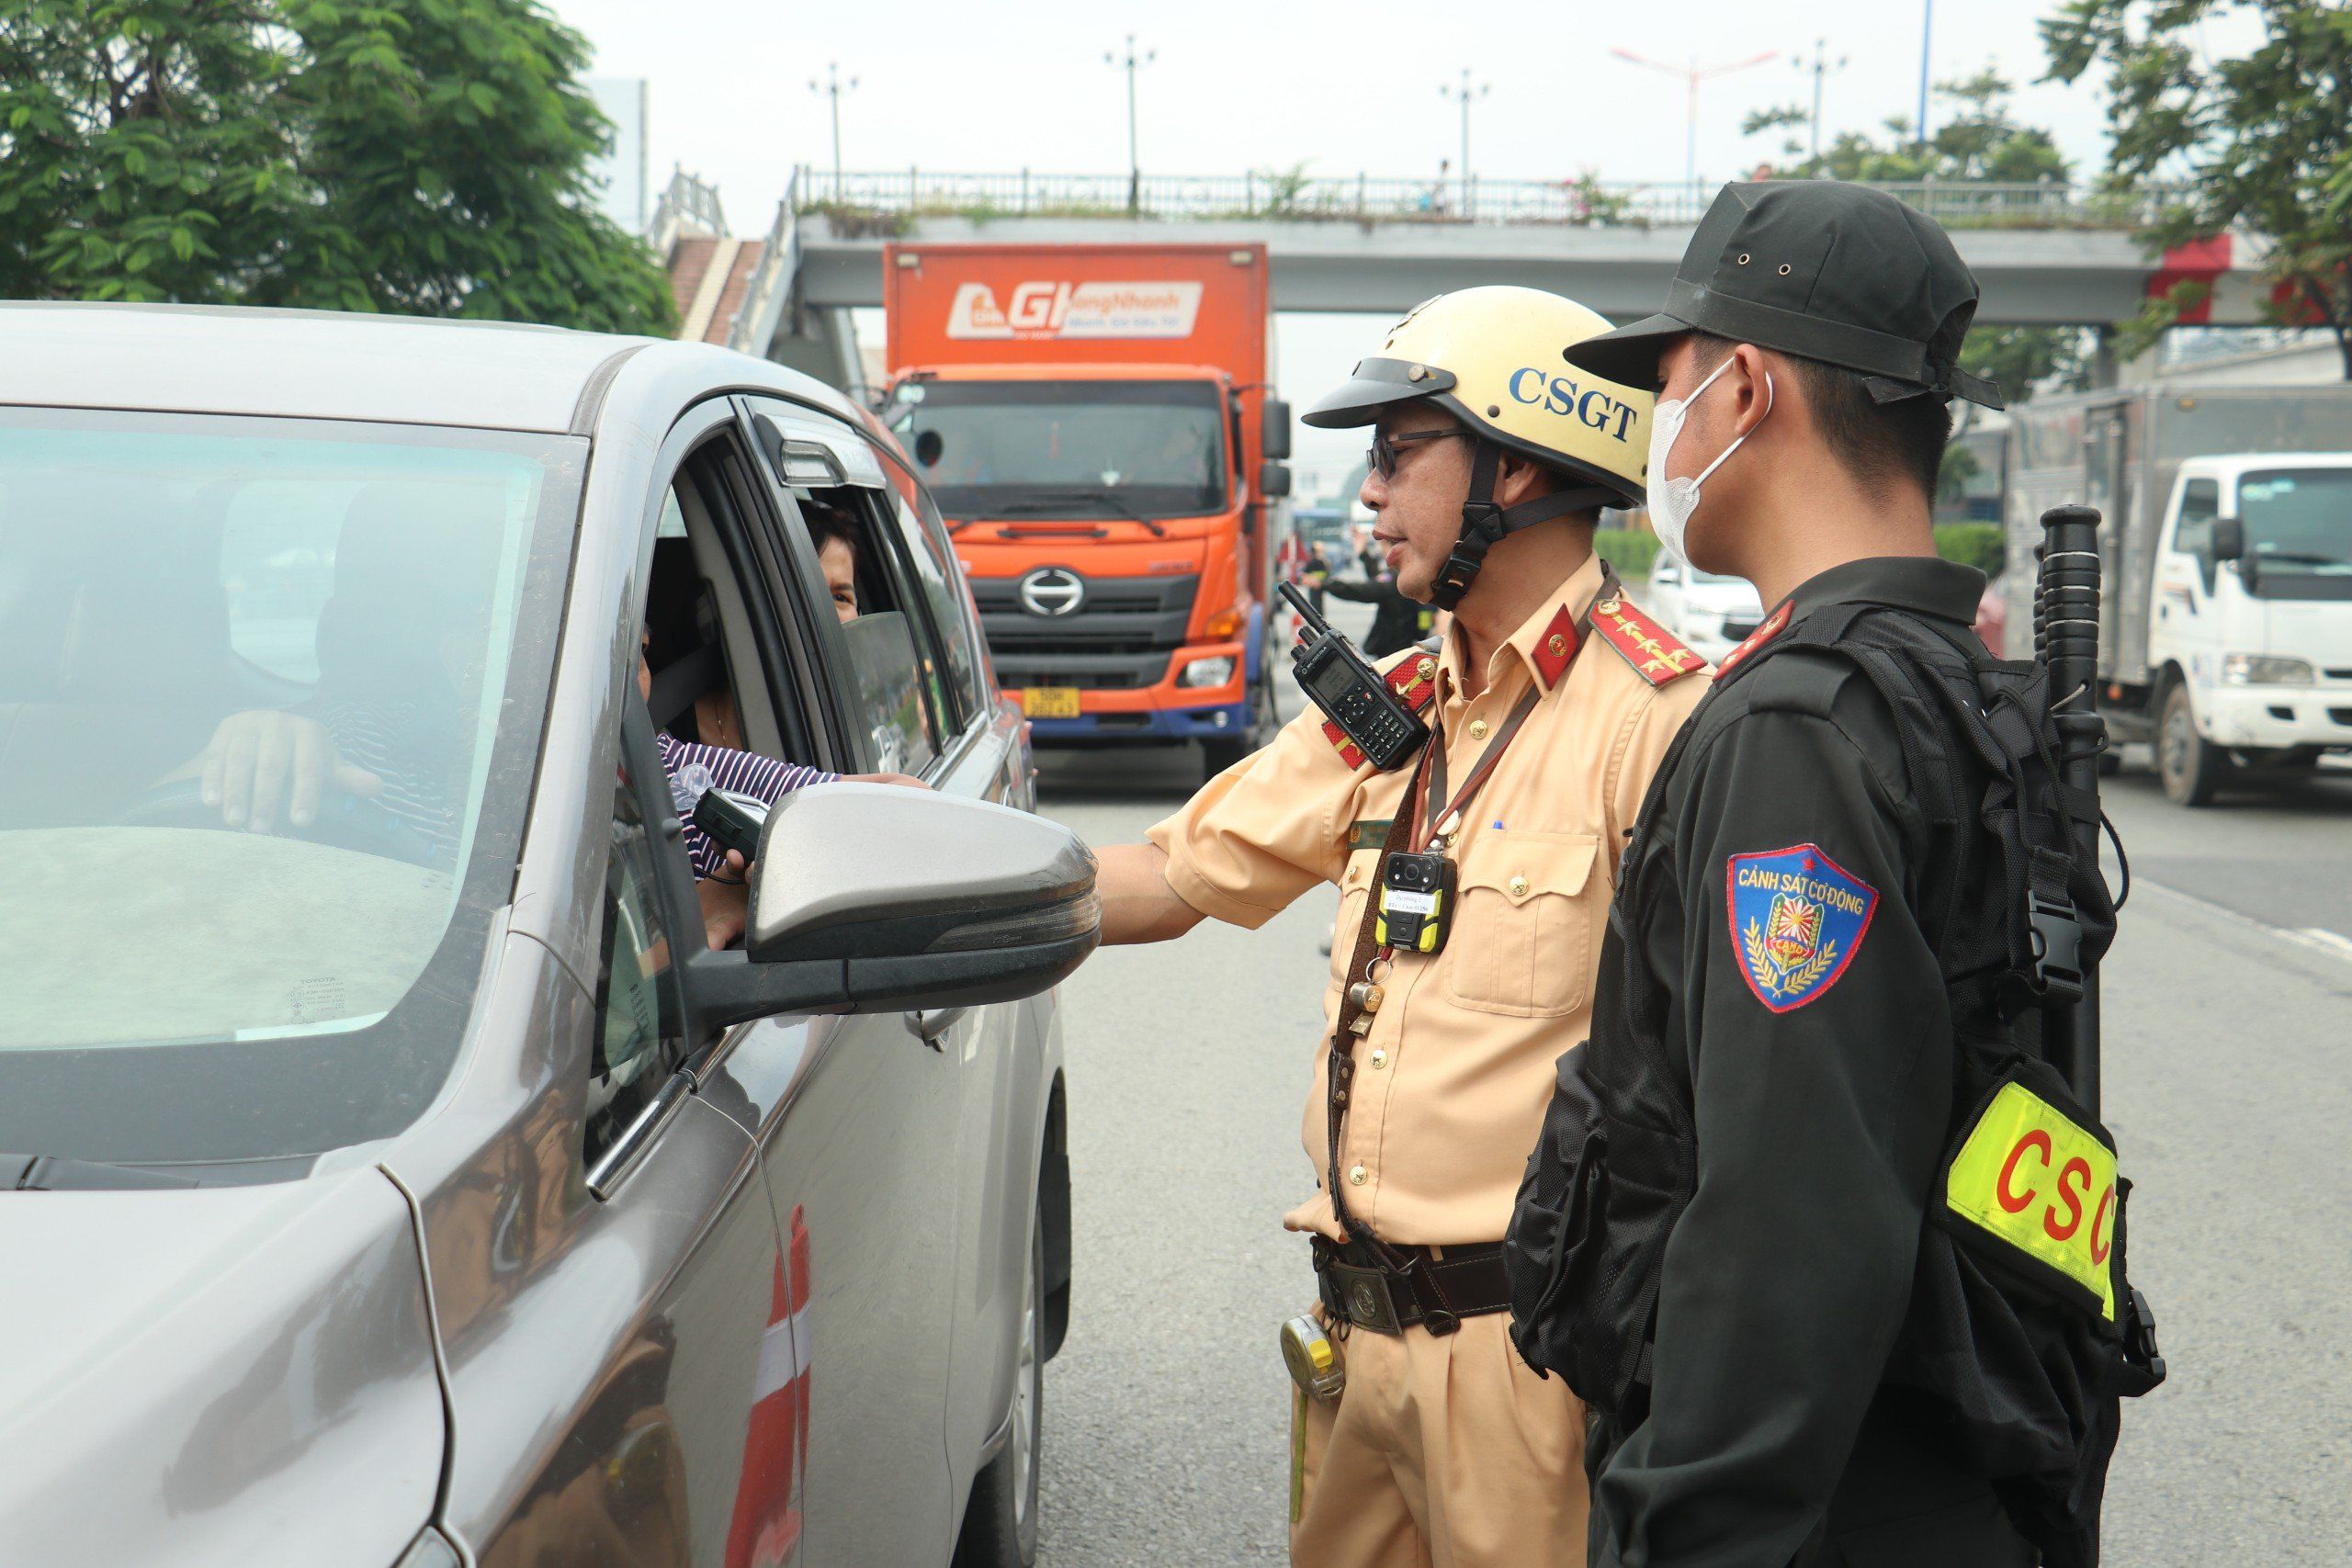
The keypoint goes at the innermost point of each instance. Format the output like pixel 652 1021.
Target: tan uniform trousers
pixel 1441 1453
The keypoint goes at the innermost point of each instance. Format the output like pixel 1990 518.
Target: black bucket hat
pixel 1835 272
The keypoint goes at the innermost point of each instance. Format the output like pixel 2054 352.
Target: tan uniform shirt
pixel 1460 1061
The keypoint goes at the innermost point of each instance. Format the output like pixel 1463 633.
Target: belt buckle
pixel 1364 1299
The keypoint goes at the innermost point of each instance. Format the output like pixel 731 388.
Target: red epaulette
pixel 1755 639
pixel 1656 654
pixel 1413 679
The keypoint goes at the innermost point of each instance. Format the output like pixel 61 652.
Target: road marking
pixel 2313 939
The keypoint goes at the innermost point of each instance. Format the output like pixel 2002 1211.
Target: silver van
pixel 409 1160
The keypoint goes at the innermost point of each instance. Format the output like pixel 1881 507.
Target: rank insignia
pixel 1413 678
pixel 1755 639
pixel 1654 652
pixel 1797 919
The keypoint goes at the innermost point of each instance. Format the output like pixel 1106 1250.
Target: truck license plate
pixel 1050 701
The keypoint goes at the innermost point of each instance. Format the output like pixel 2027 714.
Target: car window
pixel 277 548
pixel 943 590
pixel 888 584
pixel 633 1046
pixel 2200 502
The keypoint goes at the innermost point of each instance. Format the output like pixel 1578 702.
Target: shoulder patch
pixel 1414 677
pixel 1349 752
pixel 1656 654
pixel 1797 919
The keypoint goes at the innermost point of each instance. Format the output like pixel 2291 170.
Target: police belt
pixel 1437 1291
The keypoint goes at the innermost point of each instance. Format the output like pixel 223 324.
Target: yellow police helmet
pixel 1492 357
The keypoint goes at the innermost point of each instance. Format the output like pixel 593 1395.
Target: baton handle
pixel 2066 610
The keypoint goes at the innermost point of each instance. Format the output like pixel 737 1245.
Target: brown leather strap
pixel 1340 1072
pixel 1493 755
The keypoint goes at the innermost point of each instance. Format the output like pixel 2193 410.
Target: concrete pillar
pixel 2105 369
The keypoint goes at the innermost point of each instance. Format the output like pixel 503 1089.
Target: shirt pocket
pixel 1523 942
pixel 1355 886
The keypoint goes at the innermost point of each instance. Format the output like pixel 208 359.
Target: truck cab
pixel 2250 633
pixel 1099 426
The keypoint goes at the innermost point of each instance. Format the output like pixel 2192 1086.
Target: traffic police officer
pixel 1551 701
pixel 1729 1204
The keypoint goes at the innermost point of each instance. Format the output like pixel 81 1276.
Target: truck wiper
pixel 2266 558
pixel 1081 497
pixel 62 1173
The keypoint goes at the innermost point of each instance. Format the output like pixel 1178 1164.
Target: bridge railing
pixel 1372 199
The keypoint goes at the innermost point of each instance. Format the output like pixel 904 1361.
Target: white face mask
pixel 1673 501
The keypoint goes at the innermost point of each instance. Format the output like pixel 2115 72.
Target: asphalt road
pixel 1167 1411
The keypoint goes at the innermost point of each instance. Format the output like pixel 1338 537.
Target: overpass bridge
pixel 2045 254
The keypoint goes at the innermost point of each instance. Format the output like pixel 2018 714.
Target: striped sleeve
pixel 695 768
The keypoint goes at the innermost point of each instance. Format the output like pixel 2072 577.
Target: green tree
pixel 142 155
pixel 2262 141
pixel 1980 141
pixel 429 157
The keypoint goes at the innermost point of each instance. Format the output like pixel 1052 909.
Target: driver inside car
pixel 393 717
pixel 721 875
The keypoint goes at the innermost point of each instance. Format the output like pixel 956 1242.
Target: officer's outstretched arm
pixel 1814 1023
pixel 1137 903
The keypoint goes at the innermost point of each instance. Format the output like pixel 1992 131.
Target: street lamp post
pixel 833 86
pixel 1131 62
pixel 1693 75
pixel 1927 37
pixel 1466 95
pixel 1821 68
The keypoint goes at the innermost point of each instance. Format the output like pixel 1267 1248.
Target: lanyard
pixel 1437 825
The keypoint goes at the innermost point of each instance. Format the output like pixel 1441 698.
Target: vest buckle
pixel 2057 936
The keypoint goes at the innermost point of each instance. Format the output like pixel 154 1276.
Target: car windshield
pixel 2299 520
pixel 1067 448
pixel 270 693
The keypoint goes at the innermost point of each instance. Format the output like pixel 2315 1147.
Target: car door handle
pixel 931 1027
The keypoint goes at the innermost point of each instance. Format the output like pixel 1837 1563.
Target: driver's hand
pixel 905 781
pixel 263 762
pixel 724 904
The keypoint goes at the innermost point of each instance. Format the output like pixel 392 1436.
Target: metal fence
pixel 1365 198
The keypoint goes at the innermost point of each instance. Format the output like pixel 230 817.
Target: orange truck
pixel 1099 426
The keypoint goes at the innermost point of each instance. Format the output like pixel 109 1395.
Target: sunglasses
pixel 1385 452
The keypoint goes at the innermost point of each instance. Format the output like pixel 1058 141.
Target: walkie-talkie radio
pixel 1350 692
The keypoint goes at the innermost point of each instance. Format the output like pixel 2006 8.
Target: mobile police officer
pixel 1733 1238
pixel 1425 1438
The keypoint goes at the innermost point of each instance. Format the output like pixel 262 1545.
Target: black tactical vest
pixel 2018 1364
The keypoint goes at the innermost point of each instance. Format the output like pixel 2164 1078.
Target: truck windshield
pixel 1043 447
pixel 270 694
pixel 2299 520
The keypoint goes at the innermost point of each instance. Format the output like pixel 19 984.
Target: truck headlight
pixel 2262 670
pixel 1206 672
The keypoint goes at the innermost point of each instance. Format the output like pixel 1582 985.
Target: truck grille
pixel 1118 638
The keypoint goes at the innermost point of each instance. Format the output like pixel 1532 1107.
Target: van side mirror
pixel 1276 415
pixel 1273 480
pixel 2229 538
pixel 930 446
pixel 881 899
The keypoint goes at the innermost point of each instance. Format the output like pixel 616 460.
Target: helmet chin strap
pixel 1483 524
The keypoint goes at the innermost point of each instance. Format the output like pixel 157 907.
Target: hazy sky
pixel 1235 86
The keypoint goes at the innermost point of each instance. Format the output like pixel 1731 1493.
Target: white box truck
pixel 2226 541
